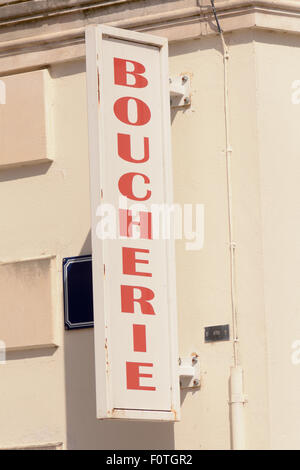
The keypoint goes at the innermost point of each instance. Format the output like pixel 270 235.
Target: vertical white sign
pixel 133 270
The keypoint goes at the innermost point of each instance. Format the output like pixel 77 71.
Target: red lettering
pixel 124 149
pixel 139 338
pixel 135 112
pixel 129 261
pixel 133 375
pixel 121 73
pixel 126 183
pixel 143 113
pixel 126 223
pixel 128 299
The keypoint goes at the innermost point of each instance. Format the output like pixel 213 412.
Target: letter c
pixel 125 186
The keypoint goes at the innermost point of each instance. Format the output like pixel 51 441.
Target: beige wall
pixel 204 277
pixel 277 65
pixel 48 391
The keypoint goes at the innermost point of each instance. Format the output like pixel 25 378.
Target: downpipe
pixel 237 398
pixel 237 404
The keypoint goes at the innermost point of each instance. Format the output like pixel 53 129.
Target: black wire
pixel 215 15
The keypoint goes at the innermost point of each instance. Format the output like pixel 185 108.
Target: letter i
pixel 139 338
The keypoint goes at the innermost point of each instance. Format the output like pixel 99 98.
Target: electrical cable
pixel 232 244
pixel 216 16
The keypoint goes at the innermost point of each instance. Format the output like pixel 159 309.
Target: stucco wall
pixel 277 65
pixel 48 393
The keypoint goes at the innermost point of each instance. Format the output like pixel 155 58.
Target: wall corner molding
pixel 36 34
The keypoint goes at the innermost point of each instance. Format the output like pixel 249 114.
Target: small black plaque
pixel 216 333
pixel 78 292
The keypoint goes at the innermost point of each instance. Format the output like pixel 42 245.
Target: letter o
pixel 142 110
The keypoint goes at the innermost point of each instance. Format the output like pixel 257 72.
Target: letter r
pixel 128 299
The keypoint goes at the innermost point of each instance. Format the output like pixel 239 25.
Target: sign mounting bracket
pixel 180 91
pixel 189 372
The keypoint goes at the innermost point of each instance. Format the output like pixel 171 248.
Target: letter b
pixel 121 73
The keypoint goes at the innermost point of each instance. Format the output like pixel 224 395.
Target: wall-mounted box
pixel 216 333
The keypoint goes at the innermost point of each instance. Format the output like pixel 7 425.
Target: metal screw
pixel 186 100
pixel 196 382
pixel 185 78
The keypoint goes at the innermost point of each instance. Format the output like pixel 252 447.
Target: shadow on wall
pixel 84 431
pixel 13 173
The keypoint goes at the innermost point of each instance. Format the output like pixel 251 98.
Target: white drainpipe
pixel 237 402
pixel 237 398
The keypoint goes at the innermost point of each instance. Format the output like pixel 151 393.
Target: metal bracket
pixel 180 91
pixel 189 372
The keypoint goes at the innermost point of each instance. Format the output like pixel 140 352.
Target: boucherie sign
pixel 133 270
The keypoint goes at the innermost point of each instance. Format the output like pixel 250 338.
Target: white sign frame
pixel 95 90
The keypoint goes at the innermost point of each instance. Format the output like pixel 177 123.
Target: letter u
pixel 124 149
